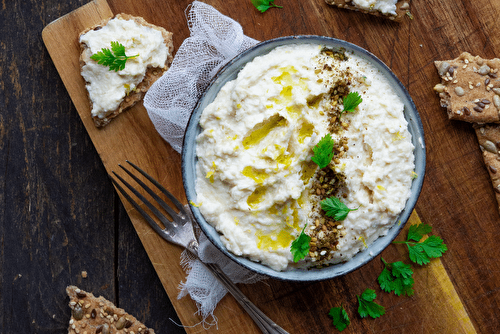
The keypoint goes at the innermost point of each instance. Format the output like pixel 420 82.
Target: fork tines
pixel 178 218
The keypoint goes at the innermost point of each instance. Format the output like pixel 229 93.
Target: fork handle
pixel 265 324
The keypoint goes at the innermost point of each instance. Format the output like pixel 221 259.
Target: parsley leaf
pixel 397 277
pixel 323 151
pixel 263 5
pixel 433 246
pixel 385 279
pixel 416 232
pixel 340 317
pixel 351 101
pixel 300 246
pixel 115 58
pixel 335 208
pixel 422 252
pixel 417 254
pixel 367 306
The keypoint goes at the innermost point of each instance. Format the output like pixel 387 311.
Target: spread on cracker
pixel 149 51
pixel 391 9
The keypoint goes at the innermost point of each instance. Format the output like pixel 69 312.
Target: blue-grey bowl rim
pixel 189 159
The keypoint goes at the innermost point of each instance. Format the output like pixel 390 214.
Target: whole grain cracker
pixel 152 73
pixel 402 9
pixel 488 136
pixel 470 88
pixel 90 314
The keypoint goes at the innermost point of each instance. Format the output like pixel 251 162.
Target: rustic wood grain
pixel 397 45
pixel 54 185
pixel 59 216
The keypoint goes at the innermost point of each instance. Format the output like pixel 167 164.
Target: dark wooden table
pixel 59 215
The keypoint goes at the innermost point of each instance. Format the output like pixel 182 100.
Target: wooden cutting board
pixel 438 305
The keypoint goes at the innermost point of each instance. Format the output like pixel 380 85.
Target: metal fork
pixel 180 231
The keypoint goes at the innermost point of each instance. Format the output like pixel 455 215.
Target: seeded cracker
pixel 470 88
pixel 402 9
pixel 488 136
pixel 90 314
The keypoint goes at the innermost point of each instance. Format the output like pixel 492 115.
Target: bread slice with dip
pixel 111 92
pixel 391 9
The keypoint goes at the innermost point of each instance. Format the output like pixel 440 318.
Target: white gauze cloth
pixel 215 39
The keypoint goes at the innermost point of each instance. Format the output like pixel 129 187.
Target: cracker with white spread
pixel 392 9
pixel 112 92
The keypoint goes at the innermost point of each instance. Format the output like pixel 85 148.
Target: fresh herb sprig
pixel 367 306
pixel 334 208
pixel 115 58
pixel 323 151
pixel 340 317
pixel 351 101
pixel 263 5
pixel 397 277
pixel 422 252
pixel 300 246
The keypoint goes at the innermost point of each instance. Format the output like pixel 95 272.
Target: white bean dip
pixel 383 6
pixel 256 183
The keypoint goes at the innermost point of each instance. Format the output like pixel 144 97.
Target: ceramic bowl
pixel 228 73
